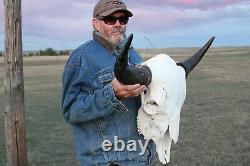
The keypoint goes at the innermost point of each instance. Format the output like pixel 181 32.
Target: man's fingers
pixel 131 87
pixel 137 91
pixel 123 91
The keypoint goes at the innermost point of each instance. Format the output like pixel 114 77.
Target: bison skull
pixel 159 115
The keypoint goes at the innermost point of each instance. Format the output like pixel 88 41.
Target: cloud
pixel 67 21
pixel 60 19
pixel 69 18
pixel 166 18
pixel 185 4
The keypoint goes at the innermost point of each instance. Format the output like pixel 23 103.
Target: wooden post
pixel 14 86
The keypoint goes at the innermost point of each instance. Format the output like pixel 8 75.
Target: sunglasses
pixel 111 20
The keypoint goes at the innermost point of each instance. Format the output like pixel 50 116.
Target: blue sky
pixel 66 24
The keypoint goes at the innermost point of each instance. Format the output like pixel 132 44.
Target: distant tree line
pixel 47 52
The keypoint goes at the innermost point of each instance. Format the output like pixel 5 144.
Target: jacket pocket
pixel 105 75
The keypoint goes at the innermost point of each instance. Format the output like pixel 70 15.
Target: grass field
pixel 215 120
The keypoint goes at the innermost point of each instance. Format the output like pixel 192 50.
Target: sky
pixel 66 24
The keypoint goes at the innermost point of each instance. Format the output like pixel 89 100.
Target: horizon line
pixel 221 46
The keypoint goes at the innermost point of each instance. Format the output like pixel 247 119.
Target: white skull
pixel 159 116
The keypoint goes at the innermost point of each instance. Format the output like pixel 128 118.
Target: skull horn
pixel 191 62
pixel 130 75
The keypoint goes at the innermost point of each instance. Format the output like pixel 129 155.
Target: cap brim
pixel 108 12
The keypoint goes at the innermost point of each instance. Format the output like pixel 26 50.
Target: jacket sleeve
pixel 79 102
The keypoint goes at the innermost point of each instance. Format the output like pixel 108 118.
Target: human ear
pixel 96 24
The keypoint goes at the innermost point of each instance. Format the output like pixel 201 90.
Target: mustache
pixel 117 29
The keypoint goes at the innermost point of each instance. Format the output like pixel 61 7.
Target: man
pixel 101 110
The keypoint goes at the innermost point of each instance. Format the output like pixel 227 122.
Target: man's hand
pixel 123 91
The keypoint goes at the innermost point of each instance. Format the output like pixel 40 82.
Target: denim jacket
pixel 90 106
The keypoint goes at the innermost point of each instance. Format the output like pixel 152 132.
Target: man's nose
pixel 117 23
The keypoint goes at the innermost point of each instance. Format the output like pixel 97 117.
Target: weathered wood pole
pixel 16 150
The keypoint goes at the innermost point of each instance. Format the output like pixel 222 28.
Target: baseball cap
pixel 104 8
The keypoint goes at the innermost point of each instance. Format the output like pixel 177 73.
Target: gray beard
pixel 110 39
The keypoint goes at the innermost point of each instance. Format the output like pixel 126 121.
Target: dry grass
pixel 215 120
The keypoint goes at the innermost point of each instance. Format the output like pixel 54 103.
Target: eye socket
pixel 152 102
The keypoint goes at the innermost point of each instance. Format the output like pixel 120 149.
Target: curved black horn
pixel 129 75
pixel 191 62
